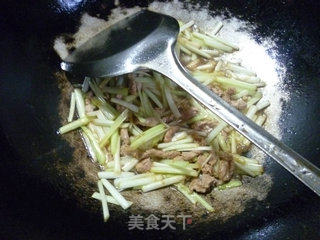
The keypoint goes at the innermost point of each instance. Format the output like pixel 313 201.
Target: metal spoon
pixel 146 40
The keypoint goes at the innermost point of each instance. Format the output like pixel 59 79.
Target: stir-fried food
pixel 147 133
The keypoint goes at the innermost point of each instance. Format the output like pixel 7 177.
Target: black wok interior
pixel 35 202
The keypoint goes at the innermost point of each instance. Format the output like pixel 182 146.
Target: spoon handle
pixel 305 171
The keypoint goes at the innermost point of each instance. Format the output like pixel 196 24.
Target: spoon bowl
pixel 124 47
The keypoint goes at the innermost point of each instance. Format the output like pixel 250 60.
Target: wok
pixel 38 202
